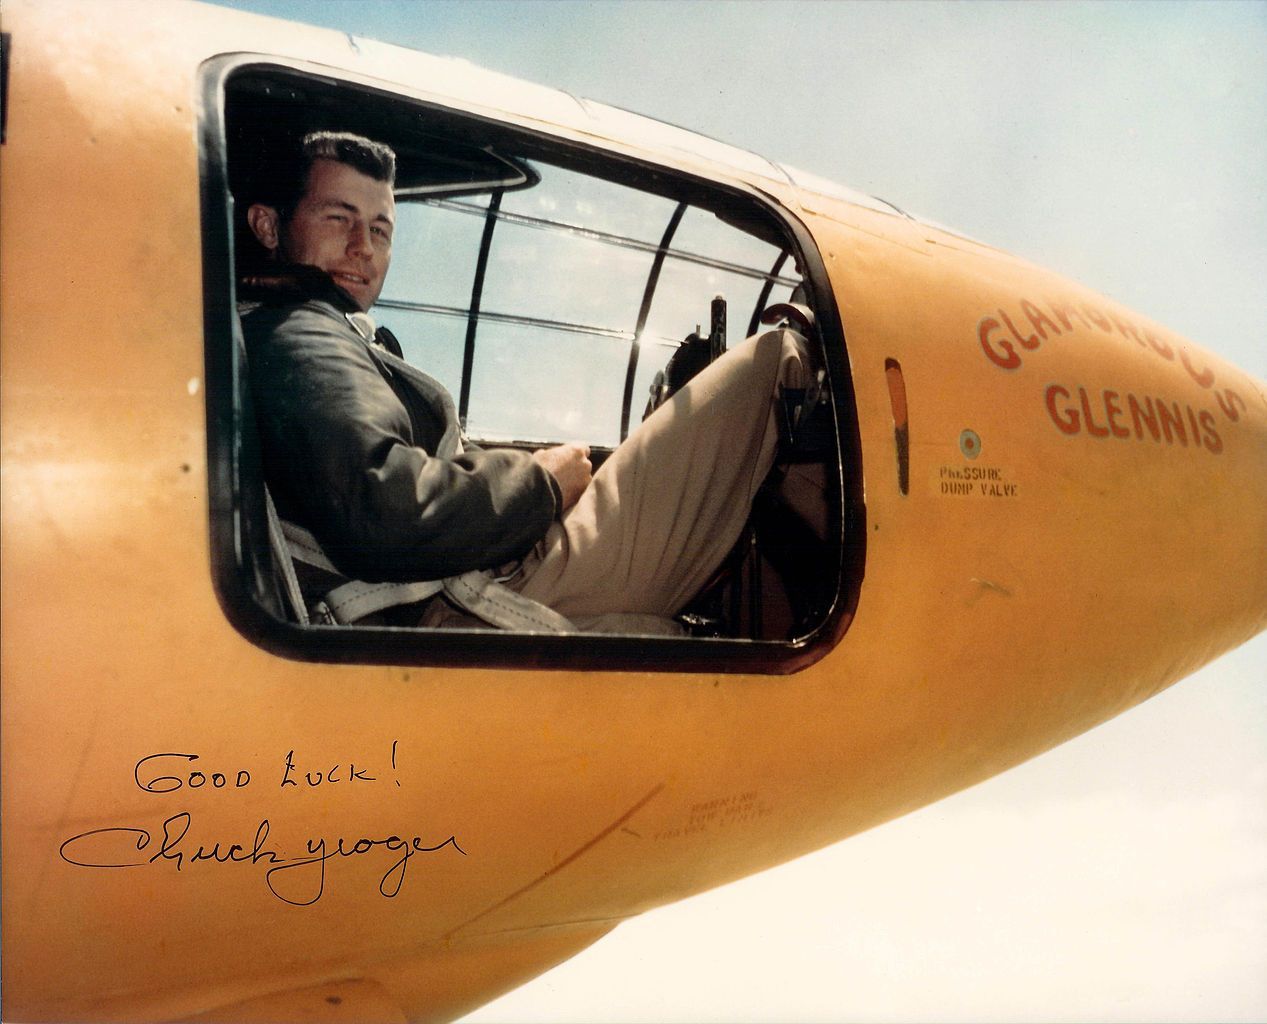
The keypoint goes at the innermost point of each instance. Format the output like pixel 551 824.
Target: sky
pixel 1122 876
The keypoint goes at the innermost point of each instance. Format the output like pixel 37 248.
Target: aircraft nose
pixel 1087 505
pixel 1157 458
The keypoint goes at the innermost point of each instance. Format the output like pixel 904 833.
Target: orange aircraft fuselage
pixel 195 827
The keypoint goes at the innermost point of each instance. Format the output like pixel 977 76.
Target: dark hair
pixel 290 178
pixel 277 175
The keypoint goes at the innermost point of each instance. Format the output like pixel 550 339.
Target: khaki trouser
pixel 666 508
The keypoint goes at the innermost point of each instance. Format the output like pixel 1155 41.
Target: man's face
pixel 343 225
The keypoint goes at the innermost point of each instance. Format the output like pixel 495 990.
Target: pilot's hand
pixel 569 464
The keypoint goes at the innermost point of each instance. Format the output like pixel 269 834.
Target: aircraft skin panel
pixel 1070 567
pixel 434 986
pixel 345 1002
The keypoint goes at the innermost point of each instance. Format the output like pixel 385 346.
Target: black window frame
pixel 238 527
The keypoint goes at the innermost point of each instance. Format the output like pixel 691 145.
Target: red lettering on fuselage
pixel 1066 419
pixel 1138 416
pixel 1038 318
pixel 1001 350
pixel 1213 442
pixel 1030 341
pixel 1094 429
pixel 1231 403
pixel 1105 414
pixel 1144 418
pixel 1204 376
pixel 1171 422
pixel 1064 311
pixel 1159 346
pixel 1001 353
pixel 1113 411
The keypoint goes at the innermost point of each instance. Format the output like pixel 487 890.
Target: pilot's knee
pixel 795 359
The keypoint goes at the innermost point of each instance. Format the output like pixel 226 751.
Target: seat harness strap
pixel 476 592
pixel 283 557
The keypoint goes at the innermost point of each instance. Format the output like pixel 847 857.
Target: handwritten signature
pixel 285 877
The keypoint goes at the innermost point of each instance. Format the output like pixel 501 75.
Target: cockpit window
pixel 565 280
pixel 552 288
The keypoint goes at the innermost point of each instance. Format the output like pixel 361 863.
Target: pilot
pixel 366 454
